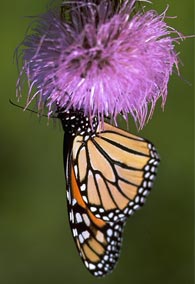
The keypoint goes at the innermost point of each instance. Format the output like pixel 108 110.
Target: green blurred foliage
pixel 35 240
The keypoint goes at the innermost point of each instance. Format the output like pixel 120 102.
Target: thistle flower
pixel 101 57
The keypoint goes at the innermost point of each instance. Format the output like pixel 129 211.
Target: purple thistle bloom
pixel 100 57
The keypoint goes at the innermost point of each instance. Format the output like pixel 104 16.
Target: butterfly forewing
pixel 114 171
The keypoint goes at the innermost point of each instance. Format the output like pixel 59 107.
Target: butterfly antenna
pixel 31 110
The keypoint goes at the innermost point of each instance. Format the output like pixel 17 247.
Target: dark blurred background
pixel 36 245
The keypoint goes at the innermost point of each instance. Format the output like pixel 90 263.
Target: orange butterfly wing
pixel 98 242
pixel 114 171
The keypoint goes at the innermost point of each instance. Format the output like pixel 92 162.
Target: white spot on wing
pixel 109 232
pixel 85 235
pixel 85 199
pixel 92 266
pixel 111 214
pixel 68 196
pixel 83 187
pixel 76 171
pixel 93 209
pixel 100 265
pixel 78 218
pixel 71 216
pixel 86 264
pixel 81 239
pixel 75 232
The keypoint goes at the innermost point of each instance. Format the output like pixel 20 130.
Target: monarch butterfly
pixel 109 173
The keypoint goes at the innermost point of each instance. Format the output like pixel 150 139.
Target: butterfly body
pixel 109 173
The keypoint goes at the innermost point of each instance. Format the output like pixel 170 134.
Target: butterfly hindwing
pixel 114 171
pixel 97 241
